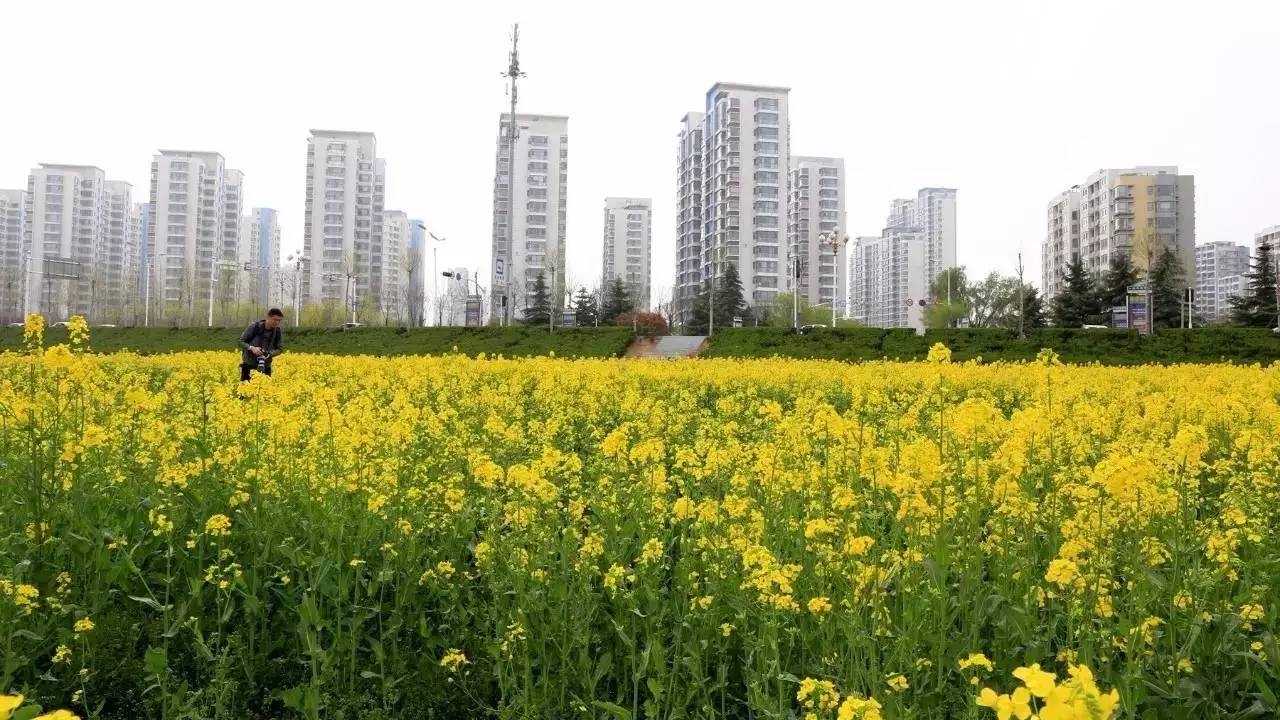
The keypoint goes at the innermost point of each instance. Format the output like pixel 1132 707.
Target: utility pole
pixel 1022 306
pixel 513 75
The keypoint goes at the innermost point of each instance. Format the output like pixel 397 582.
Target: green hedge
pixel 1109 347
pixel 508 341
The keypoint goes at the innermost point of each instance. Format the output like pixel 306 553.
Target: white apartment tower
pixel 689 176
pixel 628 225
pixel 346 185
pixel 13 216
pixel 888 278
pixel 260 253
pixel 1062 244
pixel 529 203
pixel 392 277
pixel 816 231
pixel 933 212
pixel 1219 266
pixel 111 275
pixel 1140 212
pixel 67 216
pixel 746 161
pixel 187 227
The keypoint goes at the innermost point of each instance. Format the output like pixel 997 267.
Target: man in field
pixel 261 341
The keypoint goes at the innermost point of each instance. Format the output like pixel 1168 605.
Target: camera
pixel 262 361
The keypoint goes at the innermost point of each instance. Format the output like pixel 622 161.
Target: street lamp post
pixel 479 292
pixel 297 258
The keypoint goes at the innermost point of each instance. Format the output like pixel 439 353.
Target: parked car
pixel 352 325
pixel 810 328
pixel 16 325
pixel 1095 327
pixel 105 325
pixel 60 323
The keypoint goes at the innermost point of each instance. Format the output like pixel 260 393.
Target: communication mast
pixel 513 75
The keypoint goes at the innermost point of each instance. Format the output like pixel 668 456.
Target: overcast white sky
pixel 1010 102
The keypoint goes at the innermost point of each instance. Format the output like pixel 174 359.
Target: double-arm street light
pixel 297 258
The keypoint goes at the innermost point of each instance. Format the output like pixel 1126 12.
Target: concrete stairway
pixel 668 346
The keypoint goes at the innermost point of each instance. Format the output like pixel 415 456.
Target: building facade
pixel 628 227
pixel 1216 263
pixel 187 229
pixel 346 187
pixel 113 269
pixel 416 273
pixel 530 198
pixel 689 176
pixel 13 253
pixel 933 212
pixel 392 279
pixel 259 256
pixel 746 160
pixel 888 278
pixel 1062 243
pixel 1139 212
pixel 67 217
pixel 816 231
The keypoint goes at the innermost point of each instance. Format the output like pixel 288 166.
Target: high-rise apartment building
pixel 346 187
pixel 13 262
pixel 187 231
pixel 888 278
pixel 1139 212
pixel 1062 243
pixel 689 177
pixel 67 216
pixel 816 231
pixel 141 229
pixel 627 242
pixel 392 280
pixel 529 201
pixel 746 161
pixel 1216 263
pixel 260 253
pixel 933 212
pixel 1271 237
pixel 111 274
pixel 416 273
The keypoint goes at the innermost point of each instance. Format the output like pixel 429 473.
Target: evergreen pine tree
pixel 1113 287
pixel 699 315
pixel 1168 290
pixel 616 303
pixel 1257 307
pixel 539 310
pixel 1073 306
pixel 586 311
pixel 729 300
pixel 1033 309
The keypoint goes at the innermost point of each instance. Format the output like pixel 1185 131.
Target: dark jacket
pixel 257 335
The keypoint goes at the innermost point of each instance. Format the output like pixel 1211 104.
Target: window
pixel 766 177
pixel 766 162
pixel 766 104
pixel 767 118
pixel 765 206
pixel 537 153
pixel 333 182
pixel 535 232
pixel 333 195
pixel 767 132
pixel 534 206
pixel 537 139
pixel 537 180
pixel 536 192
pixel 535 219
pixel 537 167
